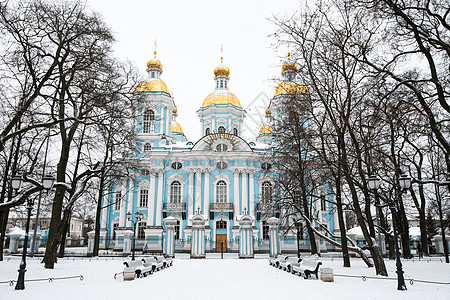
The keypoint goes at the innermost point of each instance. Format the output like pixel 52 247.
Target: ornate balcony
pixel 221 207
pixel 174 207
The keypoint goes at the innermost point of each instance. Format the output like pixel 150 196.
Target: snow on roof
pixel 355 230
pixel 16 230
pixel 260 145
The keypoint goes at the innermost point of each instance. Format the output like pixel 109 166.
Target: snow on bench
pixel 131 269
pixel 289 263
pixel 278 260
pixel 307 268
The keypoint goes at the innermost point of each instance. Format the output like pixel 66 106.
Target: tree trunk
pixel 380 267
pixel 340 211
pixel 50 256
pixel 98 214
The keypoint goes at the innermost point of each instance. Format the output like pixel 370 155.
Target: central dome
pixel 221 97
pixel 152 85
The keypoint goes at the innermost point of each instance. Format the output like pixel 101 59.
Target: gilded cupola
pixel 221 95
pixel 153 83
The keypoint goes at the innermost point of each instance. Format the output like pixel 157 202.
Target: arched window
pixel 235 131
pixel 148 124
pixel 175 192
pixel 221 129
pixel 266 192
pixel 147 147
pixel 207 131
pixel 221 192
pixel 221 224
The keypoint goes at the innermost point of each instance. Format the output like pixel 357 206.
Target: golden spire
pixel 289 51
pixel 221 69
pixel 154 62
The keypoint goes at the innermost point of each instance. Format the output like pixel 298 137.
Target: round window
pixel 177 165
pixel 221 165
pixel 221 147
pixel 266 166
pixel 145 172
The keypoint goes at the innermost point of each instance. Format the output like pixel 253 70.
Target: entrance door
pixel 221 243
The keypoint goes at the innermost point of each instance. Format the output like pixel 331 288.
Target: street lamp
pixel 16 183
pixel 405 183
pixel 137 217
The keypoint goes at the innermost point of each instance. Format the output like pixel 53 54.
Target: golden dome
pixel 152 85
pixel 268 112
pixel 221 97
pixel 290 89
pixel 175 110
pixel 222 70
pixel 266 129
pixel 177 128
pixel 289 65
pixel 154 63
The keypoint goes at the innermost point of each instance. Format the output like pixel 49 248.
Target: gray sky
pixel 189 35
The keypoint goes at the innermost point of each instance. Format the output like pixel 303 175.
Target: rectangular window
pixel 117 199
pixel 115 226
pixel 323 203
pixel 141 232
pixel 265 231
pixel 143 198
pixel 177 231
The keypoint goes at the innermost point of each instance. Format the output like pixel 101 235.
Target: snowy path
pixel 219 279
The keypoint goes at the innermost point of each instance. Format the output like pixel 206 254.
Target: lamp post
pixel 137 217
pixel 405 183
pixel 16 182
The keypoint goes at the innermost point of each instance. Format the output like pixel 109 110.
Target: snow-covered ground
pixel 214 278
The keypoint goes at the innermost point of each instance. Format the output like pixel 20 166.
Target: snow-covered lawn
pixel 220 279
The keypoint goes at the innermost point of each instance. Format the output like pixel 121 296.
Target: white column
pixel 206 195
pixel 105 210
pixel 159 200
pixel 251 209
pixel 130 201
pixel 168 118
pixel 244 192
pixel 198 190
pixel 236 193
pixel 190 212
pixel 151 205
pixel 122 213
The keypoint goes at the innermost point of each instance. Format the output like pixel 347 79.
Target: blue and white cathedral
pixel 211 195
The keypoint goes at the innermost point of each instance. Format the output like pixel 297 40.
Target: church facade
pixel 220 177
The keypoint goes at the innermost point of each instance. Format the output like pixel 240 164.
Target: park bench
pixel 289 263
pixel 167 262
pixel 307 268
pixel 131 270
pixel 280 260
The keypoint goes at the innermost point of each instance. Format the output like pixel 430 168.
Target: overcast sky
pixel 189 35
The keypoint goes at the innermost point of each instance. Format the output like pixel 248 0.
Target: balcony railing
pixel 225 207
pixel 172 207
